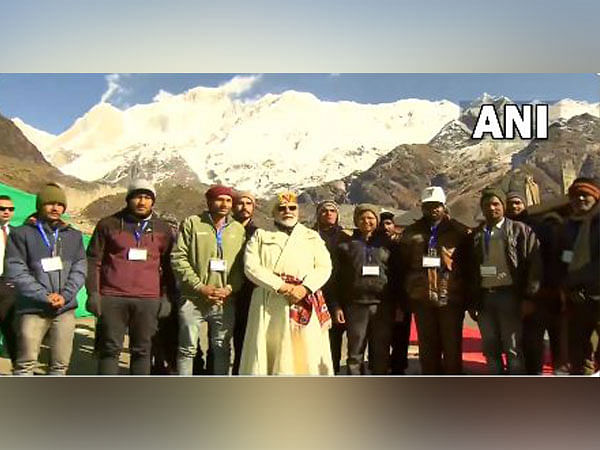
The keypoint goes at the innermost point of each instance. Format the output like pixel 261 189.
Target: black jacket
pixel 333 238
pixel 355 253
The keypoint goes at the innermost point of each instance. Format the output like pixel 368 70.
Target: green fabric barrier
pixel 24 207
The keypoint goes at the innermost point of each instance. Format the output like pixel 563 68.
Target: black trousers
pixel 583 320
pixel 119 314
pixel 547 316
pixel 400 343
pixel 242 306
pixel 440 338
pixel 7 319
pixel 336 334
pixel 372 324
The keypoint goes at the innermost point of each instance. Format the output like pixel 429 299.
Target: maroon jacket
pixel 111 273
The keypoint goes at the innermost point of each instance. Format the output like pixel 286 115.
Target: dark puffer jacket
pixel 352 255
pixel 23 267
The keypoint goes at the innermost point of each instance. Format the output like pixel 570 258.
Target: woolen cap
pixel 51 193
pixel 140 185
pixel 360 209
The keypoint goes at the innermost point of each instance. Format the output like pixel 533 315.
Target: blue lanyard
pixel 433 239
pixel 487 237
pixel 45 236
pixel 138 233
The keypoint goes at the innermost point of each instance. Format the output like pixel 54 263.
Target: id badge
pixel 217 265
pixel 137 254
pixel 370 271
pixel 488 271
pixel 430 261
pixel 51 264
pixel 567 256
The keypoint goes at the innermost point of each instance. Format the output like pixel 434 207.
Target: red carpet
pixel 474 361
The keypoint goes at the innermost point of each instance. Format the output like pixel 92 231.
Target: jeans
pixel 31 331
pixel 370 323
pixel 220 321
pixel 140 316
pixel 501 331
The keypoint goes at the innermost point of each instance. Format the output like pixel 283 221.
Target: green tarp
pixel 24 206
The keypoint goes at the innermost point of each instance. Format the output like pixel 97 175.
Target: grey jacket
pixel 24 253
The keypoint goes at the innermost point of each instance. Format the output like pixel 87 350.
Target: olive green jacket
pixel 197 244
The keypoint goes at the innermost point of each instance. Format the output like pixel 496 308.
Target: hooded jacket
pixel 25 250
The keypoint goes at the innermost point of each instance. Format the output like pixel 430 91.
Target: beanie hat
pixel 50 193
pixel 360 209
pixel 586 186
pixel 247 194
pixel 515 194
pixel 218 189
pixel 493 192
pixel 325 203
pixel 386 215
pixel 433 194
pixel 140 185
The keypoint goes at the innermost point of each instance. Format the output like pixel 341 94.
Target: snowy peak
pixel 41 139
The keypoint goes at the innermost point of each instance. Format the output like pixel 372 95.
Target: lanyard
pixel 220 240
pixel 45 236
pixel 487 237
pixel 219 232
pixel 433 239
pixel 138 233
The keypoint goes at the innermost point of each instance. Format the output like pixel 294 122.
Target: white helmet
pixel 433 194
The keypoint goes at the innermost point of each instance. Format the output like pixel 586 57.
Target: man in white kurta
pixel 274 343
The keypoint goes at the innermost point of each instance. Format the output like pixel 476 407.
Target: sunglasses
pixel 7 208
pixel 284 208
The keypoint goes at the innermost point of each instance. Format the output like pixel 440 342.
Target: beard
pixel 290 222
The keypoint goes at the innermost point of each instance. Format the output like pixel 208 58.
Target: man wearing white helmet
pixel 433 250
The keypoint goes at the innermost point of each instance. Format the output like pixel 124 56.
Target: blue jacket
pixel 24 253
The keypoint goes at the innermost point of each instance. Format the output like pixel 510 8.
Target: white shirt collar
pixel 499 224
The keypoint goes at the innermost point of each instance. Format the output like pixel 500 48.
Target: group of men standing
pixel 286 297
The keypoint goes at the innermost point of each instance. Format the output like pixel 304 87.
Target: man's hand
pixel 56 300
pixel 211 293
pixel 285 289
pixel 223 292
pixel 338 316
pixel 297 293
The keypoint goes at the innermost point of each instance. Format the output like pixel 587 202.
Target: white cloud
pixel 240 84
pixel 162 95
pixel 115 90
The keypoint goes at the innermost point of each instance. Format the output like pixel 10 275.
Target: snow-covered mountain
pixel 290 139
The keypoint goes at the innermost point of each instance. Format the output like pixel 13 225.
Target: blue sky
pixel 52 102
